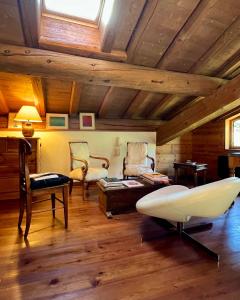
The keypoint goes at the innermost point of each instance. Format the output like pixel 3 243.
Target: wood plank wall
pixel 179 149
pixel 208 142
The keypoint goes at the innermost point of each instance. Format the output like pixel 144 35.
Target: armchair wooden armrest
pixel 152 163
pixel 85 167
pixel 104 165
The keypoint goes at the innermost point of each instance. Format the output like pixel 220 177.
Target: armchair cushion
pixel 39 181
pixel 136 170
pixel 93 174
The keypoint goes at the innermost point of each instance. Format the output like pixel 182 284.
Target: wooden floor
pixel 103 259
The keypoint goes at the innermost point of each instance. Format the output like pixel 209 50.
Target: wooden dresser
pixel 9 165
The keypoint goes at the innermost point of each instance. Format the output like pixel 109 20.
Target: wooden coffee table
pixel 123 199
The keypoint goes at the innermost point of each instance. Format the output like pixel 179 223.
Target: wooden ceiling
pixel 199 37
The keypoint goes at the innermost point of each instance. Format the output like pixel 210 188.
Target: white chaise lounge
pixel 178 203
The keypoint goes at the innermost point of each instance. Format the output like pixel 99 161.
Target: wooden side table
pixel 195 167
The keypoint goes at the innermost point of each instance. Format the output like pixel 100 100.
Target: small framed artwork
pixel 57 121
pixel 13 124
pixel 87 121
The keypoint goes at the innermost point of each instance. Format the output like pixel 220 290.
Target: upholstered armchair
pixel 80 165
pixel 136 162
pixel 179 204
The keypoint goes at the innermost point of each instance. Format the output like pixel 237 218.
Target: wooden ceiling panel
pixel 143 104
pixel 92 96
pixel 58 94
pixel 116 102
pixel 155 31
pixel 152 37
pixel 131 14
pixel 207 41
pixel 206 25
pixel 17 90
pixel 226 47
pixel 10 23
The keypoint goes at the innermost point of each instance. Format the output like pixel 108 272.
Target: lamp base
pixel 27 129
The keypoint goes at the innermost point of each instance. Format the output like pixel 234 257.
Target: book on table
pixel 132 183
pixel 111 182
pixel 155 178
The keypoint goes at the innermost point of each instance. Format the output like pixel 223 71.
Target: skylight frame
pixel 74 19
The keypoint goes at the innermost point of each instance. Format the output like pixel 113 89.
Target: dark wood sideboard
pixel 9 165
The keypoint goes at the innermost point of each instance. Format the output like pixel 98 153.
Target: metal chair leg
pixel 185 235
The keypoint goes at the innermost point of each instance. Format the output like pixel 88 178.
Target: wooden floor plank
pixel 128 257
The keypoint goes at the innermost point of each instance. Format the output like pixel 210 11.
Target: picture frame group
pixel 61 121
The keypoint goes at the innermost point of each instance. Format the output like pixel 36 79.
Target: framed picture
pixel 57 121
pixel 87 121
pixel 12 123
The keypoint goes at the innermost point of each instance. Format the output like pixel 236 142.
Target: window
pixel 235 133
pixel 83 10
pixel 232 132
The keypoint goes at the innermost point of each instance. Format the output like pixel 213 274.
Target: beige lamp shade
pixel 28 114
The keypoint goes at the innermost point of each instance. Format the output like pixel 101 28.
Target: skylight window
pixel 81 9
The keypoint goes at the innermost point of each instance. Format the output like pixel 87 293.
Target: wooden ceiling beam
pixel 182 104
pixel 165 105
pixel 75 98
pixel 39 94
pixel 135 107
pixel 30 18
pixel 102 113
pixel 109 30
pixel 3 105
pixel 128 124
pixel 221 101
pixel 36 62
pixel 231 68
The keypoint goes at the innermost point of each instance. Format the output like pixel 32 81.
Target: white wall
pixel 55 150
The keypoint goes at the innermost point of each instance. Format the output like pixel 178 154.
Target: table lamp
pixel 28 115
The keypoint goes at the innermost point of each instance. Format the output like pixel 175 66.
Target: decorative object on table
pixel 87 121
pixel 28 115
pixel 136 161
pixel 57 121
pixel 110 182
pixel 81 169
pixel 12 123
pixel 155 178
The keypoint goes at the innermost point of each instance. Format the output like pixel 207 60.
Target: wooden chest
pixel 9 165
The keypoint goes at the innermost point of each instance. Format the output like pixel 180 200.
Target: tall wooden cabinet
pixel 9 165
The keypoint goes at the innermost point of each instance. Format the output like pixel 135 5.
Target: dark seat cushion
pixel 39 183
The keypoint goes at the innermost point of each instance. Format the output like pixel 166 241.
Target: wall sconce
pixel 27 115
pixel 119 141
pixel 118 144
